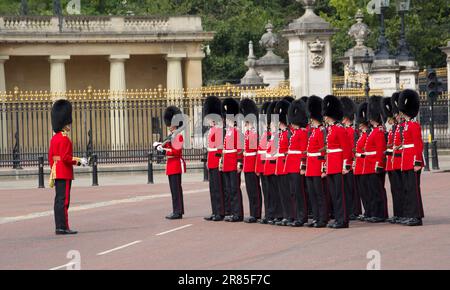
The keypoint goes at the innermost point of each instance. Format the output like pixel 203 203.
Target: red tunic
pixel 338 149
pixel 262 150
pixel 250 150
pixel 214 147
pixel 60 156
pixel 350 156
pixel 270 163
pixel 283 147
pixel 231 151
pixel 397 161
pixel 315 152
pixel 374 151
pixel 412 146
pixel 359 156
pixel 390 150
pixel 297 151
pixel 175 162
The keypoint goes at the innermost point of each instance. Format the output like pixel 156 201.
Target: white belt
pixel 358 155
pixel 314 154
pixel 370 153
pixel 406 146
pixel 280 155
pixel 262 152
pixel 295 152
pixel 390 150
pixel 334 150
pixel 249 154
pixel 212 149
pixel 229 151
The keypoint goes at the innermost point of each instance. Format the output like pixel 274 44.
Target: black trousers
pixel 62 203
pixel 398 192
pixel 275 209
pixel 362 182
pixel 412 203
pixel 232 182
pixel 338 196
pixel 254 194
pixel 349 189
pixel 216 192
pixel 357 210
pixel 177 193
pixel 299 197
pixel 285 196
pixel 265 191
pixel 317 194
pixel 377 195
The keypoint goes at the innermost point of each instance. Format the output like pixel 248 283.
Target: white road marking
pixel 118 248
pixel 176 229
pixel 7 220
pixel 63 266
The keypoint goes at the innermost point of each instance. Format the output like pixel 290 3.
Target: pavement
pixel 121 226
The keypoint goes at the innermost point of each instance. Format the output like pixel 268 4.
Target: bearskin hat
pixel 349 108
pixel 289 99
pixel 409 103
pixel 248 107
pixel 212 105
pixel 394 102
pixel 271 111
pixel 263 111
pixel 230 107
pixel 171 112
pixel 374 109
pixel 297 113
pixel 386 109
pixel 314 106
pixel 282 109
pixel 361 114
pixel 304 99
pixel 61 115
pixel 332 107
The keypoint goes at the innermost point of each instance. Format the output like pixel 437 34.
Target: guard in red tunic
pixel 374 163
pixel 61 160
pixel 275 213
pixel 212 110
pixel 338 149
pixel 231 162
pixel 315 164
pixel 412 160
pixel 172 148
pixel 396 173
pixel 296 162
pixel 396 186
pixel 265 135
pixel 250 112
pixel 349 180
pixel 284 193
pixel 358 167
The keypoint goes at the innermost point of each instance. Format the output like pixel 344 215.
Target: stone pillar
pixel 58 85
pixel 193 69
pixel 174 76
pixel 119 114
pixel 3 126
pixel 385 76
pixel 409 75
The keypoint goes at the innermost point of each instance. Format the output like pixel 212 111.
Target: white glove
pixel 83 162
pixel 160 148
pixel 156 144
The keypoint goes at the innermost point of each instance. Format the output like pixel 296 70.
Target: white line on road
pixel 63 266
pixel 7 220
pixel 176 229
pixel 119 248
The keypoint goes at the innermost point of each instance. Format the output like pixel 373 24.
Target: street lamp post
pixel 383 47
pixel 366 64
pixel 403 52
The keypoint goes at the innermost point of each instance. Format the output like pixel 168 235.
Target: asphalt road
pixel 123 227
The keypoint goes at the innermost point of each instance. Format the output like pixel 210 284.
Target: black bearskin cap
pixel 394 102
pixel 247 107
pixel 304 99
pixel 374 109
pixel 61 115
pixel 289 99
pixel 212 105
pixel 314 106
pixel 169 114
pixel 282 109
pixel 386 109
pixel 361 114
pixel 297 113
pixel 409 103
pixel 332 107
pixel 271 111
pixel 230 107
pixel 349 108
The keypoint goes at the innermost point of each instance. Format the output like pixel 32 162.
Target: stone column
pixel 174 76
pixel 119 114
pixel 3 126
pixel 58 85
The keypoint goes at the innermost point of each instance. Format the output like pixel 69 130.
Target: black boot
pixel 174 216
pixel 250 220
pixel 65 232
pixel 413 222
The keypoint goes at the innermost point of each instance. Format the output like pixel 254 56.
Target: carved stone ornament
pixel 316 49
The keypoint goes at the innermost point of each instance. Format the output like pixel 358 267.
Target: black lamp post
pixel 403 52
pixel 383 47
pixel 366 64
pixel 23 7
